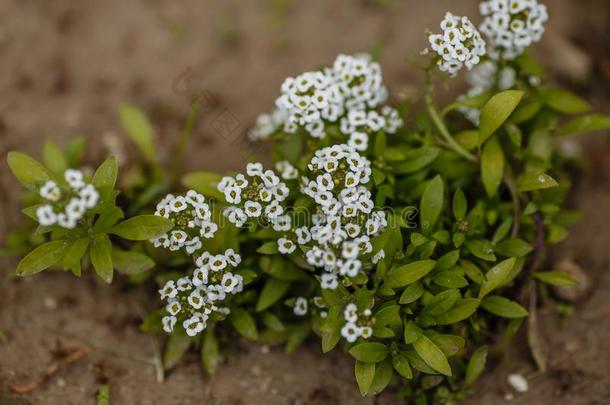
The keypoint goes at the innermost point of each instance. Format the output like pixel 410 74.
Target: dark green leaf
pixel 460 206
pixel 586 123
pixel 369 352
pixel 496 111
pixel 28 171
pixel 268 248
pixel 503 307
pixel 462 309
pixel 131 263
pixel 536 181
pixel 101 257
pixel 139 129
pixel 105 176
pixel 409 273
pixel 492 166
pixel 42 258
pixel 271 293
pixel 513 247
pixel 243 323
pixel 496 276
pixel 431 204
pixel 432 355
pixel 383 375
pixel 476 365
pixel 143 227
pixel 556 278
pixel 565 101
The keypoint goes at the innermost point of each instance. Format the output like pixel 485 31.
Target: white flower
pixel 218 262
pixel 65 221
pixel 229 282
pixel 168 323
pixel 329 281
pixel 208 229
pixel 350 313
pixel 366 332
pixel 50 191
pixel 233 258
pixel 194 325
pixel 378 256
pixel 74 178
pixel 303 235
pixel 173 307
pixel 75 209
pixel 300 306
pixel 200 276
pixel 253 209
pixel 89 196
pixel 459 45
pixel 184 284
pixel 287 171
pixel 195 300
pixel 350 332
pixel 233 194
pixel 512 25
pixel 46 216
pixel 169 290
pixel 285 246
pixel 358 141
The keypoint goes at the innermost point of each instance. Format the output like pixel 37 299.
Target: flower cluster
pixel 357 324
pixel 193 300
pixel 67 205
pixel 483 78
pixel 259 194
pixel 192 219
pixel 512 25
pixel 459 45
pixel 352 85
pixel 344 220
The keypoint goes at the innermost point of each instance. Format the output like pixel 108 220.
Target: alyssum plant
pixel 410 244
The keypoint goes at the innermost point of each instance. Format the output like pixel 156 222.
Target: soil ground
pixel 64 68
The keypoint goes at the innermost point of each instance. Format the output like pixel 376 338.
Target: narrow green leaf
pixel 513 247
pixel 381 143
pixel 477 101
pixel 271 293
pixel 106 174
pixel 42 258
pixel 476 365
pixel 53 157
pixel 496 111
pixel 411 333
pixel 383 375
pixel 101 257
pixel 461 310
pixel 364 372
pixel 243 323
pixel 556 278
pixel 369 352
pixel 431 204
pixel 205 183
pixel 496 276
pixel 27 170
pixel 210 355
pixel 432 355
pixel 74 255
pixel 503 307
pixel 536 181
pixel 586 123
pixel 565 101
pixel 416 159
pixel 175 349
pixel 460 205
pixel 139 129
pixel 411 294
pixel 143 227
pixel 401 365
pixel 409 273
pixel 272 322
pixel 131 263
pixel 492 166
pixel 481 248
pixel 268 248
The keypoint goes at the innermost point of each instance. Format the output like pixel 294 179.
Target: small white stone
pixel 518 382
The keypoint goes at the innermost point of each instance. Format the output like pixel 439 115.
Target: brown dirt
pixel 64 68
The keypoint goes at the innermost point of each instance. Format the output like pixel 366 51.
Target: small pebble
pixel 50 302
pixel 518 382
pixel 264 349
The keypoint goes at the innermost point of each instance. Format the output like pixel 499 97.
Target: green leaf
pixel 482 249
pixel 28 171
pixel 175 349
pixel 205 183
pixel 74 151
pixel 272 322
pixel 74 255
pixel 586 123
pixel 210 355
pixel 416 159
pixel 468 139
pixel 279 268
pixel 139 129
pixel 53 157
pixel 143 227
pixel 411 294
pixel 101 257
pixel 381 143
pixel 556 278
pixel 364 372
pixel 383 375
pixel 131 263
pixel 109 216
pixel 503 307
pixel 492 166
pixel 462 309
pixel 105 176
pixel 449 279
pixel 525 112
pixel 476 101
pixel 369 352
pixel 432 355
pixel 409 273
pixel 536 181
pixel 565 101
pixel 496 276
pixel 431 204
pixel 42 258
pixel 460 205
pixel 268 248
pixel 513 247
pixel 496 111
pixel 243 323
pixel 411 333
pixel 401 365
pixel 476 365
pixel 271 293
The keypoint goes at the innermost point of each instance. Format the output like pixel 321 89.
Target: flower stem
pixel 440 125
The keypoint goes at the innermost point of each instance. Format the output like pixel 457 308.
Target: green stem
pixel 185 136
pixel 440 125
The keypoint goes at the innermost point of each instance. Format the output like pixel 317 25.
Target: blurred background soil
pixel 64 68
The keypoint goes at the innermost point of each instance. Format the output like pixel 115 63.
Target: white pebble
pixel 518 382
